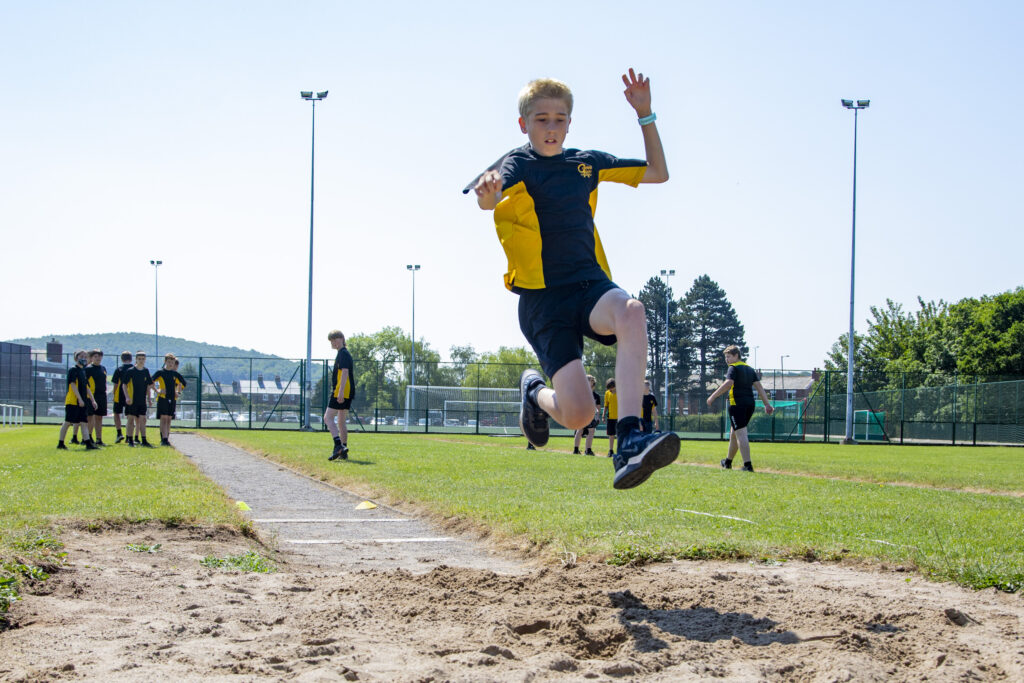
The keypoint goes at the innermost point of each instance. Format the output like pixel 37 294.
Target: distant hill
pixel 220 363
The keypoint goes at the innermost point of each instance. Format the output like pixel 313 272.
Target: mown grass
pixel 567 502
pixel 42 489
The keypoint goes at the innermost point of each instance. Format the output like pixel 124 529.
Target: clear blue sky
pixel 134 131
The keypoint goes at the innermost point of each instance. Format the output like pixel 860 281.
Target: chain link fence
pixel 482 398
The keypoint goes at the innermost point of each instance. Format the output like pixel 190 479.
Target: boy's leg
pixel 343 427
pixel 576 439
pixel 63 431
pixel 639 454
pixel 590 439
pixel 330 419
pixel 743 439
pixel 571 402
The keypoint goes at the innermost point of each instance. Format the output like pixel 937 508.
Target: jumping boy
pixel 343 389
pixel 166 381
pixel 117 379
pixel 610 413
pixel 740 381
pixel 135 385
pixel 96 380
pixel 543 197
pixel 589 430
pixel 649 413
pixel 74 403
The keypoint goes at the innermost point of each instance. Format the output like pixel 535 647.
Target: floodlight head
pixel 155 263
pixel 306 94
pixel 322 94
pixel 847 103
pixel 863 103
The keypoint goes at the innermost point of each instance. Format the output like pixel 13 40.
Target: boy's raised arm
pixel 638 94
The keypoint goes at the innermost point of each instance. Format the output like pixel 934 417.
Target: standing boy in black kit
pixel 117 379
pixel 741 382
pixel 135 386
pixel 343 389
pixel 96 380
pixel 75 401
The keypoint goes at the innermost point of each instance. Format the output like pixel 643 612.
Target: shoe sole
pixel 542 440
pixel 640 467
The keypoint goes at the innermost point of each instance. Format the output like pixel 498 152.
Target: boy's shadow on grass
pixel 353 461
pixel 702 624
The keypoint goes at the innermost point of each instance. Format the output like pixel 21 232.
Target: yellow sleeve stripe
pixel 629 175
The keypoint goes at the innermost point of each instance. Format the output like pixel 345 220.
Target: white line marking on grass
pixel 708 514
pixel 439 539
pixel 327 520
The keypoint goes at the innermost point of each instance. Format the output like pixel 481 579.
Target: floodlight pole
pixel 666 274
pixel 310 97
pixel 848 439
pixel 412 373
pixel 782 374
pixel 156 306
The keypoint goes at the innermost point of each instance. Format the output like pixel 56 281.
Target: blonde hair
pixel 169 356
pixel 543 88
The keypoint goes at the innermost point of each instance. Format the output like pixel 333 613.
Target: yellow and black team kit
pixel 96 380
pixel 74 413
pixel 136 384
pixel 741 393
pixel 556 263
pixel 117 379
pixel 342 395
pixel 167 383
pixel 611 404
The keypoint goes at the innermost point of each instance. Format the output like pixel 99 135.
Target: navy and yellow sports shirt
pixel 545 218
pixel 741 393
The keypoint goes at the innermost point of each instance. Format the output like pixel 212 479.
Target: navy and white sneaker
pixel 640 454
pixel 532 420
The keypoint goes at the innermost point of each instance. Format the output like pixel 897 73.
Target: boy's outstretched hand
pixel 638 92
pixel 488 189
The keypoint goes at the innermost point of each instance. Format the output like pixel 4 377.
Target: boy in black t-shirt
pixel 649 412
pixel 117 379
pixel 543 197
pixel 165 383
pixel 343 389
pixel 136 383
pixel 75 401
pixel 96 379
pixel 740 381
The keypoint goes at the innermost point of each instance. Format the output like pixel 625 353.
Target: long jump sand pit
pixel 117 615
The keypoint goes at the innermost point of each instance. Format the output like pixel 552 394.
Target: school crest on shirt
pixel 586 170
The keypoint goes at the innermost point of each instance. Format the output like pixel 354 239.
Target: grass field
pixel 808 500
pixel 42 489
pixel 824 501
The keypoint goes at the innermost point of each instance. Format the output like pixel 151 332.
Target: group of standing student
pixel 85 404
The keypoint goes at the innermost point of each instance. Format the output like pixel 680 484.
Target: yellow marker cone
pixel 365 505
pixel 242 506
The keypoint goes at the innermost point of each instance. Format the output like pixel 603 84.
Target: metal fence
pixel 482 398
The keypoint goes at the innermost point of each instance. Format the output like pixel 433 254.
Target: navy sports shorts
pixel 137 409
pixel 610 427
pixel 119 408
pixel 739 416
pixel 335 404
pixel 555 320
pixel 74 414
pixel 101 407
pixel 165 406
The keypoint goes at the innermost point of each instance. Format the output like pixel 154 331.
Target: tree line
pixel 982 337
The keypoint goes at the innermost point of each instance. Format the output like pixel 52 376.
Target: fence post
pixel 903 403
pixel 250 393
pixel 955 382
pixel 199 396
pixel 827 413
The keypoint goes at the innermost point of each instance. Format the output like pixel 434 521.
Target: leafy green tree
pixel 654 296
pixel 501 368
pixel 713 325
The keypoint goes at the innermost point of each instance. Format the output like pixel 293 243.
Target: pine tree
pixel 713 326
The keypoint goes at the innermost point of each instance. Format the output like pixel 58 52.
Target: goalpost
pixel 488 409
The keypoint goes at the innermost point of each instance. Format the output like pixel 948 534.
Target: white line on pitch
pixel 439 539
pixel 328 520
